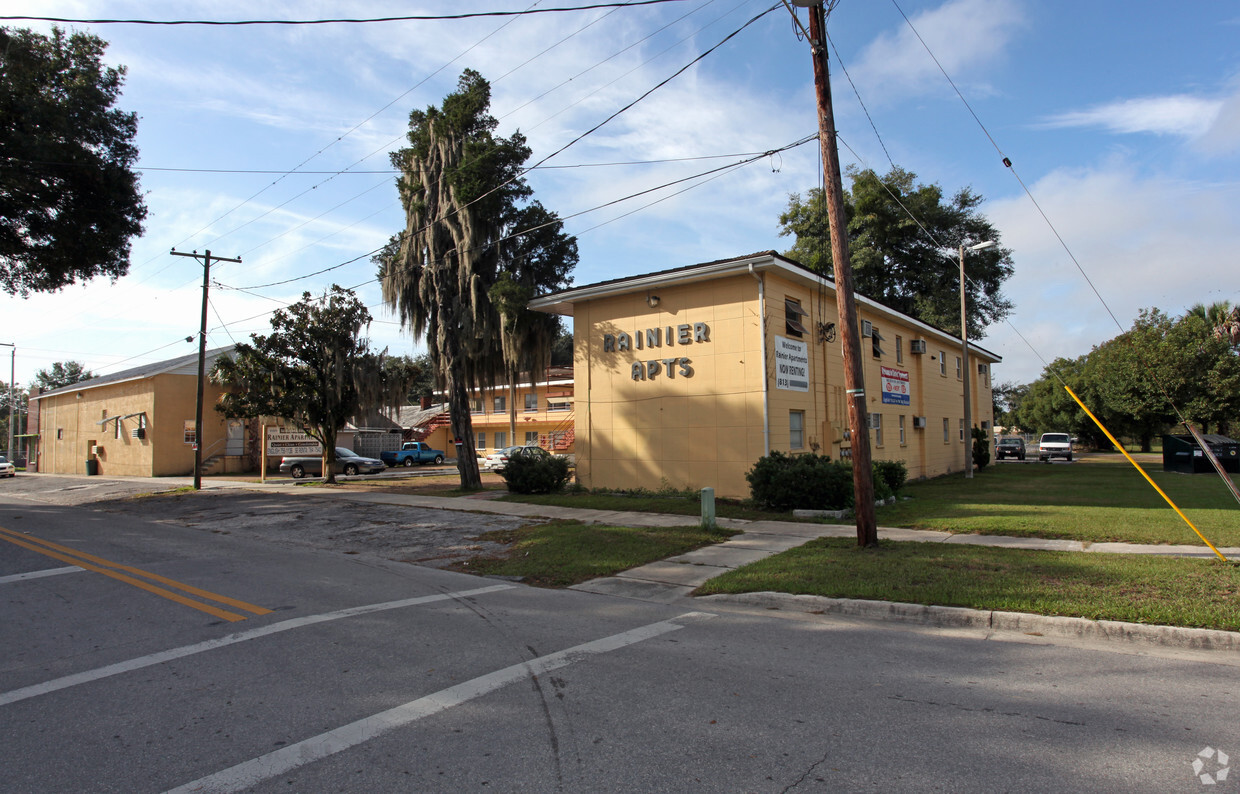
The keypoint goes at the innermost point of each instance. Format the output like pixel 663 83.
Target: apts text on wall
pixel 669 336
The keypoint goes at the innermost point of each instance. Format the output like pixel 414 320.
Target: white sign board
pixel 282 443
pixel 791 364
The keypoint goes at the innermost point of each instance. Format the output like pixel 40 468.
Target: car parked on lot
pixel 7 469
pixel 347 462
pixel 1010 447
pixel 500 457
pixel 1054 445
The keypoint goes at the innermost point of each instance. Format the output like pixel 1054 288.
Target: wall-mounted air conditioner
pixel 867 328
pixel 96 449
pixel 917 346
pixel 919 421
pixel 138 432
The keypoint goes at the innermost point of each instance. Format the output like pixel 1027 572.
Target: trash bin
pixel 92 467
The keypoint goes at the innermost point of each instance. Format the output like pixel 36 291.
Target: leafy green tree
pixel 1048 408
pixel 314 369
pixel 61 374
pixel 462 189
pixel 981 448
pixel 1008 398
pixel 1222 318
pixel 897 262
pixel 69 198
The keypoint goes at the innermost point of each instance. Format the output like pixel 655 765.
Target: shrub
pixel 892 472
pixel 535 474
pixel 981 448
pixel 785 482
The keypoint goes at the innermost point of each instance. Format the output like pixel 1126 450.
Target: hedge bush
pixel 528 474
pixel 783 482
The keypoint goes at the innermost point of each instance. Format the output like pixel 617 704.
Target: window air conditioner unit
pixel 981 369
pixel 919 421
pixel 138 432
pixel 867 328
pixel 96 449
pixel 917 346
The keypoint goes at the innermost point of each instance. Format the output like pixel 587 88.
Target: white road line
pixel 21 577
pixel 232 639
pixel 267 766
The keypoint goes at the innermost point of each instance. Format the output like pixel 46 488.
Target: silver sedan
pixel 347 462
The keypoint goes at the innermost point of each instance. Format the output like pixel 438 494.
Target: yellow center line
pixel 79 558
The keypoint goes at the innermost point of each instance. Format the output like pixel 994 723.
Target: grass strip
pixel 1164 591
pixel 563 553
pixel 1098 499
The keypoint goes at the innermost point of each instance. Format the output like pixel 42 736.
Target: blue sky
pixel 1122 119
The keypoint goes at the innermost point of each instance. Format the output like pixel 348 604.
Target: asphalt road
pixel 379 676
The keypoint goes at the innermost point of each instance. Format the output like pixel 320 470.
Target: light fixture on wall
pixel 652 301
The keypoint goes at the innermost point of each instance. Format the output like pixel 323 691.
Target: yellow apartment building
pixel 686 377
pixel 139 422
pixel 543 415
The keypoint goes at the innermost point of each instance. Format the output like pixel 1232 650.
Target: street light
pixel 964 356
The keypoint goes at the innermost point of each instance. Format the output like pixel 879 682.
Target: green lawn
pixel 1138 589
pixel 563 553
pixel 1099 498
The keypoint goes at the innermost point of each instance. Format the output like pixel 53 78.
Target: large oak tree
pixel 904 242
pixel 69 198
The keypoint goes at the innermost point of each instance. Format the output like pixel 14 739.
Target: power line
pixel 335 21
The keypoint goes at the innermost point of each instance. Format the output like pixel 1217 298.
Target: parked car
pixel 1054 445
pixel 412 452
pixel 347 462
pixel 1010 447
pixel 499 458
pixel 7 469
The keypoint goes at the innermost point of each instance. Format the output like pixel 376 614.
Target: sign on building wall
pixel 791 364
pixel 895 386
pixel 282 442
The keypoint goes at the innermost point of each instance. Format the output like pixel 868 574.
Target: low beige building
pixel 139 422
pixel 686 377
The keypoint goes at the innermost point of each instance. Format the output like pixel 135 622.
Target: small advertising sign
pixel 791 364
pixel 895 386
pixel 282 442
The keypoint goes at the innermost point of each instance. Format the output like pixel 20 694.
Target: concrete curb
pixel 994 620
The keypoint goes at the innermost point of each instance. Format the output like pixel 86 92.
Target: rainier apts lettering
pixel 651 338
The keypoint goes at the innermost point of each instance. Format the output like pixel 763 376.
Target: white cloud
pixel 1185 116
pixel 1142 242
pixel 962 34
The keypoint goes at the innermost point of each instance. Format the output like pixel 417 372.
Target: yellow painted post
pixel 1120 447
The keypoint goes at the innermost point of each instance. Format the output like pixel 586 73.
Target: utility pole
pixel 12 394
pixel 854 382
pixel 202 358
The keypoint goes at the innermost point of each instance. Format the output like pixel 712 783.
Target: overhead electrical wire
pixel 337 20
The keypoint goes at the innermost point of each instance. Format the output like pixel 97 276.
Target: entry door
pixel 235 443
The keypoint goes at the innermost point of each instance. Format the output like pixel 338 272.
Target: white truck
pixel 1054 445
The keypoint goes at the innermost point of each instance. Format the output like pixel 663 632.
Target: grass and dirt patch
pixel 1133 588
pixel 563 553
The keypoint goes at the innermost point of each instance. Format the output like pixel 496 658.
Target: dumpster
pixel 92 467
pixel 1181 454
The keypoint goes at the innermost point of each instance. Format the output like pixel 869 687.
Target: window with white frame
pixel 902 439
pixel 876 422
pixel 959 369
pixel 480 441
pixel 899 350
pixel 531 401
pixel 943 363
pixel 475 405
pixel 531 438
pixel 191 431
pixel 501 440
pixel 947 432
pixel 796 430
pixel 962 430
pixel 501 404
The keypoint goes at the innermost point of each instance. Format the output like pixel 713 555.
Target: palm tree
pixel 1222 317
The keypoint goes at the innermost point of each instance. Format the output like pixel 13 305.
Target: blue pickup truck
pixel 411 453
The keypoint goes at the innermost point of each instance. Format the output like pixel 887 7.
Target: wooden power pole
pixel 854 382
pixel 202 358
